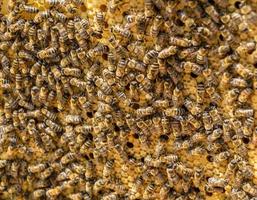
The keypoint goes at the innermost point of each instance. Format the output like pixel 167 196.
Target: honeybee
pixel 108 168
pixel 73 119
pixel 198 151
pixel 114 5
pixel 174 112
pixel 46 173
pixel 190 67
pixel 150 57
pixel 98 185
pixel 106 89
pixel 244 112
pixel 238 194
pixel 26 104
pixel 149 190
pixel 125 33
pixel 244 95
pixel 193 121
pixel 193 107
pixel 180 42
pixel 54 192
pixel 54 126
pixel 242 71
pixel 37 168
pixel 169 51
pixel 223 156
pixel 162 104
pixel 248 188
pixel 47 53
pixel 142 112
pixel 201 56
pixel 67 158
pixel 214 135
pixel 39 193
pixel 78 168
pixel 133 64
pixel 216 116
pixel 232 95
pixel 212 12
pixel 155 28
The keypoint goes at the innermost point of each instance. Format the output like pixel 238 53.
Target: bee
pixel 5 45
pixel 103 86
pixel 215 135
pixel 65 61
pixel 241 112
pixel 100 18
pixel 71 29
pixel 142 112
pixel 46 173
pixel 238 194
pixel 47 53
pixel 190 67
pixel 193 107
pixel 37 168
pixel 167 52
pixel 98 185
pixel 248 126
pixel 99 50
pixel 180 42
pixel 242 71
pixel 149 190
pixel 155 28
pixel 114 5
pixel 248 188
pixel 30 9
pixel 58 154
pixel 43 93
pixel 78 83
pixel 201 56
pixel 225 79
pixel 133 64
pixel 250 46
pixel 232 166
pixel 193 121
pixel 59 16
pixel 198 151
pixel 83 129
pixel 164 191
pixel 213 13
pixel 223 156
pixel 149 8
pixel 71 8
pixel 39 193
pixel 54 126
pixel 26 105
pixel 150 57
pixel 177 96
pixel 143 127
pixel 53 192
pixel 78 168
pixel 232 95
pixel 174 112
pixel 162 104
pixel 108 168
pixel 125 33
pixel 215 115
pixel 67 158
pixel 73 119
pixel 89 175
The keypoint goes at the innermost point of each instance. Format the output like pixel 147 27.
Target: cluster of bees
pixel 151 100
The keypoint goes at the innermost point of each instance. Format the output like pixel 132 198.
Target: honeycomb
pixel 128 99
